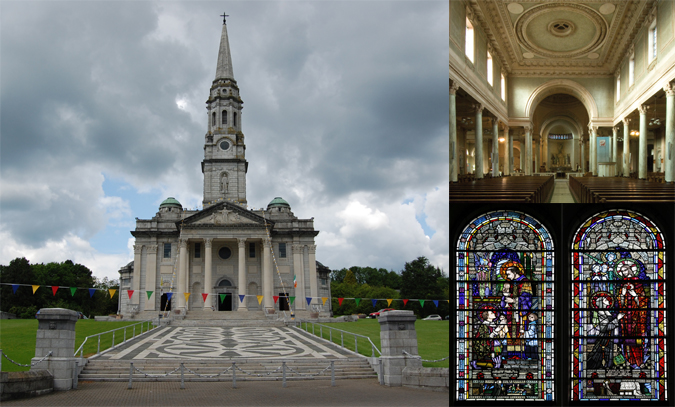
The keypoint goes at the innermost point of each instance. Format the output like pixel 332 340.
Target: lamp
pixel 501 139
pixel 655 121
pixel 634 133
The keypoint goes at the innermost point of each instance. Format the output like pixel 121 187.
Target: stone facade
pixel 224 248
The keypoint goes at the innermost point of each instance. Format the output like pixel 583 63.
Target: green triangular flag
pixel 149 293
pixel 292 299
pixel 72 291
pixel 222 297
pixel 422 302
pixel 358 300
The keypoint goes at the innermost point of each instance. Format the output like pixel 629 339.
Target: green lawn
pixel 17 338
pixel 433 338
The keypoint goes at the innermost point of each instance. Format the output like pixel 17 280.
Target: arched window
pixel 213 118
pixel 618 309
pixel 224 116
pixel 234 119
pixel 505 309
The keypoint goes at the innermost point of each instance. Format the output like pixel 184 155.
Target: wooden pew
pixel 618 189
pixel 531 189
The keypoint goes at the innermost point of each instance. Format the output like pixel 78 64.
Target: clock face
pixel 224 145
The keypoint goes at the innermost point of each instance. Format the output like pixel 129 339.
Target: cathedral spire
pixel 224 69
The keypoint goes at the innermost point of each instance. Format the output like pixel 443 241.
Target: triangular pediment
pixel 224 214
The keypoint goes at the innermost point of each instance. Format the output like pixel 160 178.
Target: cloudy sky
pixel 102 109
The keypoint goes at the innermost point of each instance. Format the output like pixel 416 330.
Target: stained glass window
pixel 505 309
pixel 618 340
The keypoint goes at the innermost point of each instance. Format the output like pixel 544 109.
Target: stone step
pixel 222 378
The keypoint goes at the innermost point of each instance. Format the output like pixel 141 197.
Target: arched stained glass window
pixel 618 340
pixel 505 314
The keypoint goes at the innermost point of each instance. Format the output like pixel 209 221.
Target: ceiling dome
pixel 278 202
pixel 170 202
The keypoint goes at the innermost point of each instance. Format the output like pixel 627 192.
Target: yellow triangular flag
pixel 260 297
pixel 35 287
pixel 187 295
pixel 324 300
pixel 112 292
pixel 389 300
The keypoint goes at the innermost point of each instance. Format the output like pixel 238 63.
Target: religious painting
pixel 618 340
pixel 505 309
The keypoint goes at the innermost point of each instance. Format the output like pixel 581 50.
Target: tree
pixel 420 280
pixel 350 279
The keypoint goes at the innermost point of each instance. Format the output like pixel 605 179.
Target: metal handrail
pixel 373 348
pixel 98 351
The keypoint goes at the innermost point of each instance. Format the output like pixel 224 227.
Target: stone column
pixel 583 154
pixel 478 159
pixel 536 155
pixel 461 151
pixel 397 334
pixel 138 249
pixel 313 282
pixel 242 273
pixel 511 161
pixel 299 270
pixel 527 163
pixel 626 147
pixel 615 147
pixel 182 255
pixel 208 273
pixel 507 153
pixel 669 152
pixel 454 158
pixel 186 259
pixel 56 333
pixel 593 148
pixel 151 277
pixel 642 145
pixel 268 289
pixel 495 147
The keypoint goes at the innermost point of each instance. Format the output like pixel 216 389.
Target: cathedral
pixel 224 257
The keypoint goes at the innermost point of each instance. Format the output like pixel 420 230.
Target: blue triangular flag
pixel 241 297
pixel 91 292
pixel 309 299
pixel 14 287
pixel 168 296
pixel 436 303
pixel 374 303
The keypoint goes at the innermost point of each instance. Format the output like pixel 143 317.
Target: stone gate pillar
pixel 397 334
pixel 56 333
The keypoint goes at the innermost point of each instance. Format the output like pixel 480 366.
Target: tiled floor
pixel 561 193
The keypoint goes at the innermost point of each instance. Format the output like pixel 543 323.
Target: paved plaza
pixel 226 342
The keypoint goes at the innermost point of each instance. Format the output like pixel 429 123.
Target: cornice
pixel 635 19
pixel 487 29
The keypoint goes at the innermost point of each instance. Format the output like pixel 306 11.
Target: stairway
pixel 118 370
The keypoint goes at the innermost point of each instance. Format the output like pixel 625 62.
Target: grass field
pixel 17 338
pixel 433 338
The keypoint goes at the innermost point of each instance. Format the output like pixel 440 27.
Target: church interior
pixel 562 101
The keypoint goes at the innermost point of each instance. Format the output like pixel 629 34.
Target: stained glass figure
pixel 505 309
pixel 618 337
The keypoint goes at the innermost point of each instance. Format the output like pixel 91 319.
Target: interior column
pixel 669 151
pixel 626 147
pixel 642 143
pixel 138 249
pixel 593 148
pixel 182 254
pixel 583 154
pixel 527 162
pixel 299 271
pixel 495 147
pixel 478 159
pixel 507 154
pixel 150 276
pixel 511 161
pixel 267 274
pixel 536 156
pixel 208 274
pixel 242 274
pixel 454 158
pixel 615 147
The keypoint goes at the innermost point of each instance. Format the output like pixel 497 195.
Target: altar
pixel 607 169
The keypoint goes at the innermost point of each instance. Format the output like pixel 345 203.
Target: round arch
pixel 565 86
pixel 551 121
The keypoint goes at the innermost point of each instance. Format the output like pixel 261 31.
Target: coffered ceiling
pixel 561 38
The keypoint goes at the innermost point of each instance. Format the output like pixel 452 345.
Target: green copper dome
pixel 170 202
pixel 278 202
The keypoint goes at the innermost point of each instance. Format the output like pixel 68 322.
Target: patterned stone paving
pixel 228 342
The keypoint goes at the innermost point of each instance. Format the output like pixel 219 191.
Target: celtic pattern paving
pixel 230 342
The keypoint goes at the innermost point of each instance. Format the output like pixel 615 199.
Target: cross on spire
pixel 224 16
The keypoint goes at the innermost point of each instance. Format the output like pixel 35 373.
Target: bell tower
pixel 224 166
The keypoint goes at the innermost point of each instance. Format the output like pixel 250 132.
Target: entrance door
pixel 283 302
pixel 226 304
pixel 165 305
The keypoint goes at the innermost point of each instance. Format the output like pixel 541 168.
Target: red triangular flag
pixel 54 288
pixel 130 292
pixel 405 302
pixel 276 297
pixel 340 301
pixel 204 295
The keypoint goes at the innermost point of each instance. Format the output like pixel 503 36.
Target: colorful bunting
pixel 292 299
pixel 422 302
pixel 358 300
pixel 324 300
pixel 309 299
pixel 187 296
pixel 168 296
pixel 295 281
pixel 72 291
pixel 260 297
pixel 389 300
pixel 241 297
pixel 91 292
pixel 149 294
pixel 130 293
pixel 374 303
pixel 112 292
pixel 35 287
pixel 436 303
pixel 405 302
pixel 55 288
pixel 222 297
pixel 204 295
pixel 340 299
pixel 276 297
pixel 14 287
